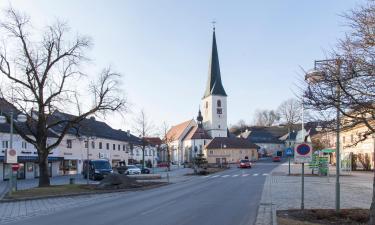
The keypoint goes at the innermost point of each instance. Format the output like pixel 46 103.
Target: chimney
pixel 92 118
pixel 128 132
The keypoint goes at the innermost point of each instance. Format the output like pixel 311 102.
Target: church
pixel 209 133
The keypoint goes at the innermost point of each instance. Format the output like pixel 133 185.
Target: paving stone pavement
pixel 284 192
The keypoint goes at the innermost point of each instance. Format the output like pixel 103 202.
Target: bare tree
pixel 39 76
pixel 266 117
pixel 290 112
pixel 347 81
pixel 143 127
pixel 167 139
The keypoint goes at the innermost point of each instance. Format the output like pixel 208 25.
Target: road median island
pixel 322 217
pixel 107 185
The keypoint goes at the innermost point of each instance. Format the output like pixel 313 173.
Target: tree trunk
pixel 372 208
pixel 44 180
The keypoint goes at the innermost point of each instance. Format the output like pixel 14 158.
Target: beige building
pixel 230 150
pixel 354 154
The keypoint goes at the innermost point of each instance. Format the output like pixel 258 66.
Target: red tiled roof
pixel 153 140
pixel 176 131
pixel 197 133
pixel 225 142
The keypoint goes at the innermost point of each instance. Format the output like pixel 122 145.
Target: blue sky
pixel 162 48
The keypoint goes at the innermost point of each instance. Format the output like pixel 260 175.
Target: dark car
pixel 276 159
pixel 145 170
pixel 97 169
pixel 244 163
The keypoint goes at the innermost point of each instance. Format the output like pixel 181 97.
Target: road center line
pixel 236 175
pixel 265 174
pixel 225 176
pixel 245 175
pixel 255 174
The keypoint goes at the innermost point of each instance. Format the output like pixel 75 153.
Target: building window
pixel 206 104
pixel 137 152
pixel 119 147
pixel 93 144
pixel 24 145
pixel 86 144
pixel 114 146
pixel 69 143
pixel 124 147
pixel 343 139
pixel 107 146
pixel 218 103
pixel 5 144
pixel 100 145
pixel 211 152
pixel 218 126
pixel 219 111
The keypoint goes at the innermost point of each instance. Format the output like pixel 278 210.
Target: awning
pixel 34 159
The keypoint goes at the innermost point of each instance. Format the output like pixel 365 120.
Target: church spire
pixel 200 119
pixel 214 85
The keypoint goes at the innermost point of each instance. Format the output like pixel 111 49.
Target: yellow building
pixel 230 150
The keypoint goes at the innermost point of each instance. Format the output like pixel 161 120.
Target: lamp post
pixel 87 140
pixel 20 118
pixel 316 76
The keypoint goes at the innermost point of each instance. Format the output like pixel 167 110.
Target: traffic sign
pixel 289 152
pixel 303 153
pixel 10 156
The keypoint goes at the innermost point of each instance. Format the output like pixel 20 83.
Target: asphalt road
pixel 227 198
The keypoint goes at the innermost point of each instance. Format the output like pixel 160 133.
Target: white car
pixel 131 169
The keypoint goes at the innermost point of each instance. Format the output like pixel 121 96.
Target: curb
pixel 84 193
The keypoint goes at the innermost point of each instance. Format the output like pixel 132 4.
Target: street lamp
pixel 20 118
pixel 315 76
pixel 87 140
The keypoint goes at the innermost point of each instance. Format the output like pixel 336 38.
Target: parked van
pixel 98 169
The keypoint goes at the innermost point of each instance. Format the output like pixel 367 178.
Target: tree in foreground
pixel 347 81
pixel 40 72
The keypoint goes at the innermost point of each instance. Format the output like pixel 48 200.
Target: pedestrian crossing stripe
pixel 235 175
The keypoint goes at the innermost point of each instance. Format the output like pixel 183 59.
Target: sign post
pixel 289 153
pixel 303 154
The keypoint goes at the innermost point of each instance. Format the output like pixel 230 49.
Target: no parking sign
pixel 303 153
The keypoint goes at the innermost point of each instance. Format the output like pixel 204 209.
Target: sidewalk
pixel 284 192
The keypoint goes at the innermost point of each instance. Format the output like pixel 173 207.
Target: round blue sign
pixel 303 149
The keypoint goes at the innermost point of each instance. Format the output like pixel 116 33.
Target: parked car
pixel 145 170
pixel 97 169
pixel 276 159
pixel 132 169
pixel 244 163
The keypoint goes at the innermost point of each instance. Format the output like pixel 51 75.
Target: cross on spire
pixel 213 24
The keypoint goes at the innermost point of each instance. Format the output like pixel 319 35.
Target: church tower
pixel 214 101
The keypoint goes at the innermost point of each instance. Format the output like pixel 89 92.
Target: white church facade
pixel 191 137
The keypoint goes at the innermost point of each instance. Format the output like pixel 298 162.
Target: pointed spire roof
pixel 214 85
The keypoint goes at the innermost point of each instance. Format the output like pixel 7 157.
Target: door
pixel 36 170
pixel 7 171
pixel 21 171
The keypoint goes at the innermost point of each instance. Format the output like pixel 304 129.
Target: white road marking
pixel 236 175
pixel 206 176
pixel 215 176
pixel 255 174
pixel 245 175
pixel 225 176
pixel 265 174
